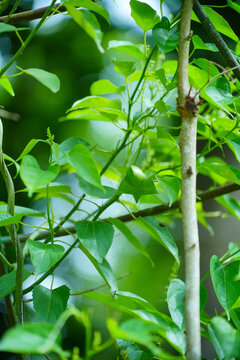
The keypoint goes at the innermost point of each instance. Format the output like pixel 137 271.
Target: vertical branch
pixel 12 230
pixel 188 109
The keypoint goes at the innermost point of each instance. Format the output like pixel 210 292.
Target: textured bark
pixel 188 108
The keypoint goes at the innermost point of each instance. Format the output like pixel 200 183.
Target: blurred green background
pixel 62 48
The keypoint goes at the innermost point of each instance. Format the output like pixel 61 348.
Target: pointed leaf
pixel 171 187
pixel 125 68
pixel 51 81
pixel 165 40
pixel 219 22
pixel 94 191
pixel 101 87
pixel 5 83
pixel 43 256
pixel 33 176
pixel 137 183
pixel 82 161
pixel 143 14
pixel 175 300
pixel 96 237
pixel 225 282
pixel 160 233
pixel 130 237
pixel 8 282
pixel 29 338
pixel 225 339
pixel 127 47
pixel 50 304
pixel 88 4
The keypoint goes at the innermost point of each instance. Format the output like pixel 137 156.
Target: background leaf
pixel 51 81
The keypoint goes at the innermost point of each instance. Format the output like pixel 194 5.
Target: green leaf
pixel 30 145
pixel 200 45
pixel 10 28
pixel 165 40
pixel 82 161
pixel 230 204
pixel 140 332
pixel 21 210
pixel 219 22
pixel 90 114
pixel 171 187
pixel 43 256
pixel 135 353
pixel 234 5
pixel 32 338
pixel 8 282
pixel 107 273
pixel 227 172
pixel 224 281
pixel 130 237
pixel 125 68
pixel 136 50
pixel 97 103
pixel 88 22
pixel 5 83
pixel 88 4
pixel 50 304
pixel 175 300
pixel 137 183
pixel 69 143
pixel 101 87
pixel 220 91
pixel 33 176
pixel 144 15
pixel 234 145
pixel 96 237
pixel 225 339
pixel 94 191
pixel 7 219
pixel 160 233
pixel 51 81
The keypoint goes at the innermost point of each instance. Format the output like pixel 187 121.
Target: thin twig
pixel 156 210
pixel 82 292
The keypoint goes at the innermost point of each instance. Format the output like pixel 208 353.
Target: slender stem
pixel 216 38
pixel 203 196
pixel 188 190
pixel 29 38
pixel 30 15
pixel 12 230
pixel 14 8
pixel 48 215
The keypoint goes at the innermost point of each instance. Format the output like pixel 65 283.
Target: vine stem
pixel 188 187
pixel 12 230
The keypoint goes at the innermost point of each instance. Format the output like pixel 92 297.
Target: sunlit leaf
pixel 82 161
pixel 88 4
pixel 43 256
pixel 51 81
pixel 165 39
pixel 33 176
pixel 127 47
pixel 143 14
pixel 94 191
pixel 137 183
pixel 199 44
pixel 101 87
pixel 5 83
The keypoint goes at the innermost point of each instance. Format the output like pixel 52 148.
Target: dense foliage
pixel 133 169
